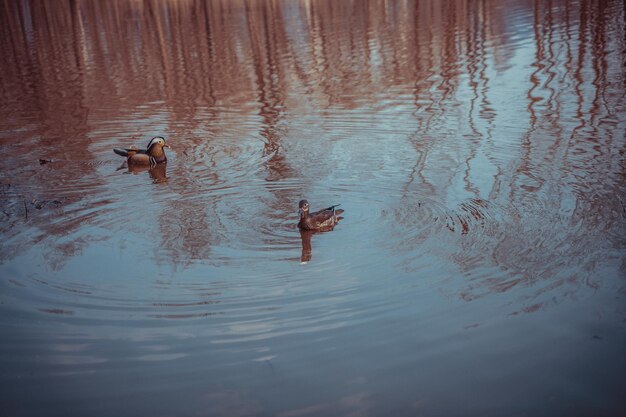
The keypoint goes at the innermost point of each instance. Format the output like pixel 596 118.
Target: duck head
pixel 155 148
pixel 303 208
pixel 158 141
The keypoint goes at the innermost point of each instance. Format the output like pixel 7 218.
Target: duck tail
pixel 121 152
pixel 335 211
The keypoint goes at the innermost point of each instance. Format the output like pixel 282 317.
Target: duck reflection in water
pixel 158 173
pixel 310 223
pixel 305 235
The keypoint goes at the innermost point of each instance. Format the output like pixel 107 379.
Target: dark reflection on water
pixel 157 173
pixel 307 249
pixel 477 145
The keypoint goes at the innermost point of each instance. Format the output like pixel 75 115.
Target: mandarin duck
pixel 154 154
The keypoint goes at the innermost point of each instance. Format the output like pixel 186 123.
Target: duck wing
pixel 328 212
pixel 129 151
pixel 325 218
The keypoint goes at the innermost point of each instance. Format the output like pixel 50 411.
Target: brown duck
pixel 322 221
pixel 154 154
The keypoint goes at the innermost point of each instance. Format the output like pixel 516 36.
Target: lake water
pixel 477 148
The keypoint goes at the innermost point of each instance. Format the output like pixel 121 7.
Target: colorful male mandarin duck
pixel 154 154
pixel 323 220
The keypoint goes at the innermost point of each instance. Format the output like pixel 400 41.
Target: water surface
pixel 477 148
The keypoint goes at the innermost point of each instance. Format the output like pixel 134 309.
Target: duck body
pixel 154 154
pixel 322 220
